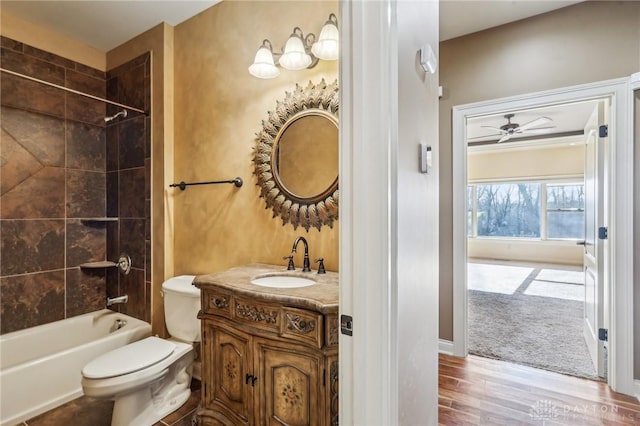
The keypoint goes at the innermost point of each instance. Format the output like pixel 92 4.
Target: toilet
pixel 151 378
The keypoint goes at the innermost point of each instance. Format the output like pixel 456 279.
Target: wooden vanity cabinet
pixel 266 363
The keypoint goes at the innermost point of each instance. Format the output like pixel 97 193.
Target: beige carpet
pixel 528 314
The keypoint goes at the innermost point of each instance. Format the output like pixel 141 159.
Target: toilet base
pixel 144 397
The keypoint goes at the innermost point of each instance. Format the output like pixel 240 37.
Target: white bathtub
pixel 40 367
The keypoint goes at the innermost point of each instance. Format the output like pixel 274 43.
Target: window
pixel 508 210
pixel 565 211
pixel 513 210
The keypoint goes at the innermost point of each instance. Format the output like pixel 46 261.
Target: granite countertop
pixel 321 297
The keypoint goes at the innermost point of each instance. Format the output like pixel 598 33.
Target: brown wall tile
pixel 87 110
pixel 133 285
pixel 86 193
pixel 17 163
pixel 86 290
pixel 131 194
pixel 112 146
pixel 52 144
pixel 31 96
pixel 31 66
pixel 41 135
pixel 39 196
pixel 31 246
pixel 86 242
pixel 86 147
pixel 30 300
pixel 131 143
pixel 132 240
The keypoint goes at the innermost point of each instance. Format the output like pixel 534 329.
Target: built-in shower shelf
pixel 123 264
pixel 99 219
pixel 98 265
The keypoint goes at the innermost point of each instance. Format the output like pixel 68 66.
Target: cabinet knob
pixel 254 379
pixel 247 378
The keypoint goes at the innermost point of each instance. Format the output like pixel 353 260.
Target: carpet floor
pixel 529 316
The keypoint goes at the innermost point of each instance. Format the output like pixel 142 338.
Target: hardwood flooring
pixel 474 391
pixel 482 391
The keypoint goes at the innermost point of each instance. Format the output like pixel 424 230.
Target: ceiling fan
pixel 506 131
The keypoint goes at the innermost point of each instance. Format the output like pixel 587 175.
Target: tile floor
pixel 86 411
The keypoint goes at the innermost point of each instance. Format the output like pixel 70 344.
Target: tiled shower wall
pixel 54 165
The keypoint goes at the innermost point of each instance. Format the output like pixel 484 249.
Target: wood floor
pixel 481 391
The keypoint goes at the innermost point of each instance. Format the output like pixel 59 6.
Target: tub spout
pixel 119 299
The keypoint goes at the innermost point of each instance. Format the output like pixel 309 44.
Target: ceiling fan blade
pixel 539 130
pixel 485 136
pixel 537 122
pixel 504 138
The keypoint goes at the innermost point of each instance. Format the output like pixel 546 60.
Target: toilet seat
pixel 129 358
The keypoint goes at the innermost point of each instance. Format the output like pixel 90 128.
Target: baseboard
pixel 445 347
pixel 636 389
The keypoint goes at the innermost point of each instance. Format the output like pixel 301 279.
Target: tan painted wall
pixel 219 107
pixel 158 41
pixel 534 163
pixel 34 35
pixel 553 50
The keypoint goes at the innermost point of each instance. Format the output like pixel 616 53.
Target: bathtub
pixel 40 367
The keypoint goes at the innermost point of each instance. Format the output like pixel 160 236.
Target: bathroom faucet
pixel 119 299
pixel 306 266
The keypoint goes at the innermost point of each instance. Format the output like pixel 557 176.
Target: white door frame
pixel 620 260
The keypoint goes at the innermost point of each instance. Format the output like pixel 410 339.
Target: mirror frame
pixel 314 211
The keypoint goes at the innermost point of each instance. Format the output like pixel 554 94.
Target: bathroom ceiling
pixel 107 24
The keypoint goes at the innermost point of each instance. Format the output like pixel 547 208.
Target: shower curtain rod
pixel 37 80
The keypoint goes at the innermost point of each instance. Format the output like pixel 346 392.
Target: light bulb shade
pixel 263 65
pixel 294 56
pixel 327 46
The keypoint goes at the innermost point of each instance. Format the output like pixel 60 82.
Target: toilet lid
pixel 129 358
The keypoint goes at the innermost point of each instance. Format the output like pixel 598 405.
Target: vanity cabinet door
pixel 228 353
pixel 289 385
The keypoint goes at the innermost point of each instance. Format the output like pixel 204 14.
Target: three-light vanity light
pixel 300 51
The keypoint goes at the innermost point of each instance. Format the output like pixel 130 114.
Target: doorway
pixel 527 298
pixel 617 259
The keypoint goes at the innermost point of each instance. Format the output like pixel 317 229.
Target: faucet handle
pixel 320 262
pixel 290 266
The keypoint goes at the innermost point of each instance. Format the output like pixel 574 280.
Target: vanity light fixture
pixel 300 51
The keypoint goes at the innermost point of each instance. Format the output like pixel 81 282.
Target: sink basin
pixel 282 281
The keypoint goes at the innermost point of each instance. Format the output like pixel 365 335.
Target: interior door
pixel 593 245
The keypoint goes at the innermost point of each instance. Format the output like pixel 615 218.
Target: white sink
pixel 282 281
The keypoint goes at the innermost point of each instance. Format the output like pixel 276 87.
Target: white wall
pixel 388 214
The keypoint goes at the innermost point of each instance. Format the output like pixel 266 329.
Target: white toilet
pixel 151 378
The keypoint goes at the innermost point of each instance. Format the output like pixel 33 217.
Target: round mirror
pixel 296 157
pixel 305 155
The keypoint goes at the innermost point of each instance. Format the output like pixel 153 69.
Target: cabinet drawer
pixel 301 325
pixel 258 315
pixel 217 304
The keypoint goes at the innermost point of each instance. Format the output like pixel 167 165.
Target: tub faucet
pixel 119 299
pixel 306 265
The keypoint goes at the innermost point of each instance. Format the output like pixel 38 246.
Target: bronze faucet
pixel 306 266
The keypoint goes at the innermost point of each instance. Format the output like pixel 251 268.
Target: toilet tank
pixel 181 307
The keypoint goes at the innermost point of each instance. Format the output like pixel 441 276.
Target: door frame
pixel 618 274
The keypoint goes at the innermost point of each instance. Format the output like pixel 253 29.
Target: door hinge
pixel 324 377
pixel 603 334
pixel 346 325
pixel 603 131
pixel 603 233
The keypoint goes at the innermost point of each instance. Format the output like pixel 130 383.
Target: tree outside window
pixel 513 210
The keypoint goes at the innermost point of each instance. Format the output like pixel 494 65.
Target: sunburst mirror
pixel 296 157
